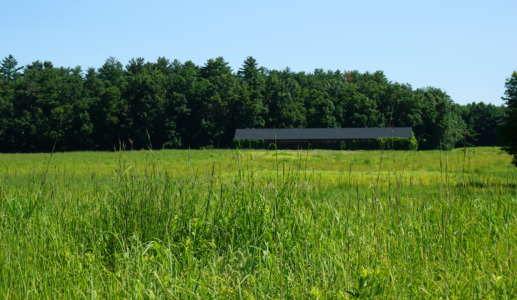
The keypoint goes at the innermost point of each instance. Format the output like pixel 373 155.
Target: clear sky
pixel 467 48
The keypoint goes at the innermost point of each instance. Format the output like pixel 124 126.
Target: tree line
pixel 170 104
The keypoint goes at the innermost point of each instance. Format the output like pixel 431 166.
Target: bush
pixel 398 143
pixel 346 145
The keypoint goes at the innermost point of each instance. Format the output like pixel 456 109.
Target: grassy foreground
pixel 249 224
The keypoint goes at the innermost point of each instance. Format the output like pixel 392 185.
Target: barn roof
pixel 322 133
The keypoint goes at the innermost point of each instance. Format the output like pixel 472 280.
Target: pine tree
pixel 215 67
pixel 112 70
pixel 8 69
pixel 249 69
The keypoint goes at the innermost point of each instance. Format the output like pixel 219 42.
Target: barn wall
pixel 315 144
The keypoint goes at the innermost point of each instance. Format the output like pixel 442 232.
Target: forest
pixel 174 105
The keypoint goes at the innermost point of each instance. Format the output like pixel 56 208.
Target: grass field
pixel 249 224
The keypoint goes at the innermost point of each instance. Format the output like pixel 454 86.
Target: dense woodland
pixel 170 104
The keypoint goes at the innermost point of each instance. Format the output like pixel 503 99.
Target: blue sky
pixel 467 48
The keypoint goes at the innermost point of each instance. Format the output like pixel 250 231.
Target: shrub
pixel 399 143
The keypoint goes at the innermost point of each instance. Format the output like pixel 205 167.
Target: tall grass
pixel 248 225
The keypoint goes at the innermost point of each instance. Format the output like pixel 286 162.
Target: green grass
pixel 249 224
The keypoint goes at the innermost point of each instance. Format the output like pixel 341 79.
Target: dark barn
pixel 319 138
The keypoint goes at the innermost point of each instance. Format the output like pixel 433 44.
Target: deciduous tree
pixel 508 130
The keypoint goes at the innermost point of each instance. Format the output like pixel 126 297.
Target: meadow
pixel 251 224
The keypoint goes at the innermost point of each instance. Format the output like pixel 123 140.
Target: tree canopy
pixel 179 105
pixel 508 130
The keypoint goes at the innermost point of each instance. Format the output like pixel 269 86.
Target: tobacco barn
pixel 318 138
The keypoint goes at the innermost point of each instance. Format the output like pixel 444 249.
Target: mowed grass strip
pixel 483 163
pixel 258 225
